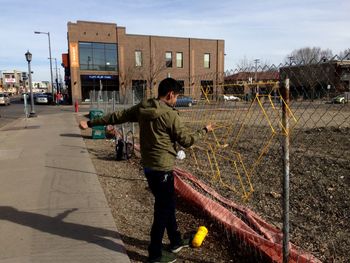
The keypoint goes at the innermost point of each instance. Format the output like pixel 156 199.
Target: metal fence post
pixel 98 99
pixel 113 101
pixel 133 103
pixel 285 122
pixel 25 107
pixel 105 100
pixel 92 99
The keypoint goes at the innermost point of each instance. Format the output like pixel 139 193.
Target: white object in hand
pixel 181 155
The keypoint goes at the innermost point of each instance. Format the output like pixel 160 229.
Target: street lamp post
pixel 57 87
pixel 48 35
pixel 29 59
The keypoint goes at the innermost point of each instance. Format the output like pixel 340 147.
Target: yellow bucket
pixel 199 236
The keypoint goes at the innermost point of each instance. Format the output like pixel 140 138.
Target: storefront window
pixel 98 56
pixel 97 83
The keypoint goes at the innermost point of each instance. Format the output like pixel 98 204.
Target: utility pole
pixel 291 59
pixel 60 79
pixel 256 61
pixel 56 79
pixel 50 57
pixel 57 88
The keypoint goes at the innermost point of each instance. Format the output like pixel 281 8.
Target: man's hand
pixel 83 125
pixel 209 127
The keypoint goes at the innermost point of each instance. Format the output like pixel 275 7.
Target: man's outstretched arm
pixel 186 139
pixel 118 117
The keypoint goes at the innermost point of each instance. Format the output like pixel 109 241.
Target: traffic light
pixel 67 76
pixel 24 76
pixel 67 72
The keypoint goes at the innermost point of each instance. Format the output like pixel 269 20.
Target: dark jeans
pixel 162 187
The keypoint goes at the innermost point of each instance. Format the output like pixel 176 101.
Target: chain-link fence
pixel 291 123
pixel 109 101
pixel 281 147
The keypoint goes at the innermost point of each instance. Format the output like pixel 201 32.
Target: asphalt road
pixel 16 110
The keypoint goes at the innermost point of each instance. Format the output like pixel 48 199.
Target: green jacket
pixel 160 129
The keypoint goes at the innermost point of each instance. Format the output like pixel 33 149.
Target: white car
pixel 4 99
pixel 231 98
pixel 41 99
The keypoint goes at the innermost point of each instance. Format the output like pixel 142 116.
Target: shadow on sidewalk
pixel 55 226
pixel 70 170
pixel 123 178
pixel 135 243
pixel 75 135
pixel 32 127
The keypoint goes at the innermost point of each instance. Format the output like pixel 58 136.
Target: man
pixel 160 129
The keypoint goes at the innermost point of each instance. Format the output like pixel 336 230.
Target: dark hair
pixel 168 85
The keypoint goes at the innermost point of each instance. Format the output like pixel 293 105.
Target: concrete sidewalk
pixel 52 207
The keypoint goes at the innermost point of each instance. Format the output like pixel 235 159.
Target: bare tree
pixel 125 77
pixel 308 55
pixel 345 55
pixel 244 64
pixel 149 70
pixel 156 66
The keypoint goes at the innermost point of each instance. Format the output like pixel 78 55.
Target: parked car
pixel 339 99
pixel 4 99
pixel 49 97
pixel 41 99
pixel 185 101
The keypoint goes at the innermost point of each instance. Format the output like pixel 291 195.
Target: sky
pixel 268 30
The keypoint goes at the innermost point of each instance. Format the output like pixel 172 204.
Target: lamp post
pixel 29 59
pixel 48 35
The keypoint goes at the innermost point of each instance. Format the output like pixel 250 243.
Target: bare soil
pixel 319 201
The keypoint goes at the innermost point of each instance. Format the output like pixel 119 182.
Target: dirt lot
pixel 319 200
pixel 131 203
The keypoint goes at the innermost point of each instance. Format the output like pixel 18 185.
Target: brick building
pixel 102 53
pixel 318 80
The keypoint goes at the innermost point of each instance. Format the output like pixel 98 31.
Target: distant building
pixel 251 82
pixel 16 82
pixel 40 86
pixel 102 53
pixel 310 81
pixel 314 81
pixel 11 81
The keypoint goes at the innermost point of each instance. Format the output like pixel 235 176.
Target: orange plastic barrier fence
pixel 252 229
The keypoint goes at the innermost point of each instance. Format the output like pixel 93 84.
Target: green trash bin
pixel 98 132
pixel 95 113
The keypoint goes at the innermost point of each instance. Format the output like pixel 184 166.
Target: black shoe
pixel 166 257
